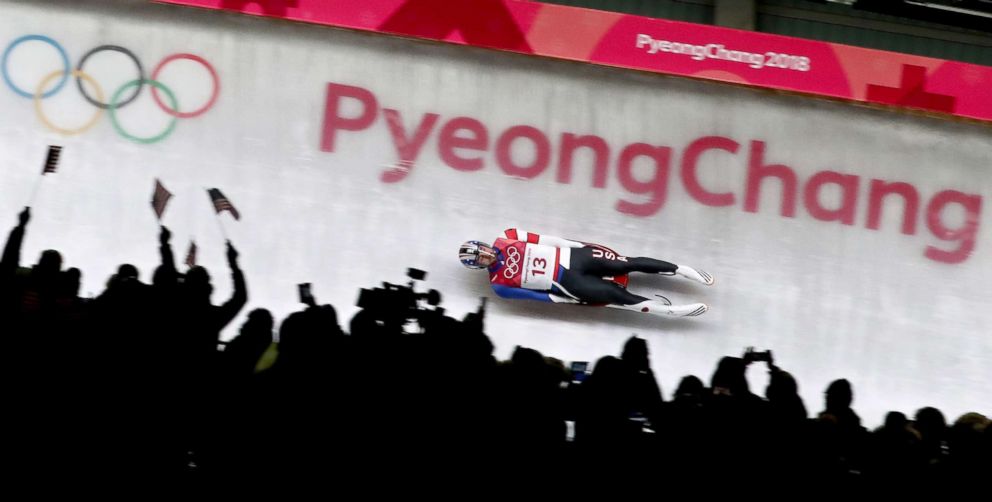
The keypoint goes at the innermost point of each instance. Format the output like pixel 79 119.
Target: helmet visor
pixel 487 255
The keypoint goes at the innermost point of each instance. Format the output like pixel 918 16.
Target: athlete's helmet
pixel 470 252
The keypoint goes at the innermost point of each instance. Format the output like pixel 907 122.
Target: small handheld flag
pixel 191 255
pixel 51 165
pixel 160 197
pixel 52 160
pixel 221 203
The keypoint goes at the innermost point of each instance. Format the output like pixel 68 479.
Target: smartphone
pixel 306 296
pixel 579 371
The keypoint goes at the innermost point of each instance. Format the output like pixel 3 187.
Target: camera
pixel 399 304
pixel 753 356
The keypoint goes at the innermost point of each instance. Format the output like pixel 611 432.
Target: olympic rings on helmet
pixel 117 99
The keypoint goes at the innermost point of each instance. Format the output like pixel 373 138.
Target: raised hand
pixel 232 254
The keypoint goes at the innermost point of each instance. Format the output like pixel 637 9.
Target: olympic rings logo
pixel 117 99
pixel 512 262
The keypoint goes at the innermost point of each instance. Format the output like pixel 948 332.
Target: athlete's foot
pixel 695 275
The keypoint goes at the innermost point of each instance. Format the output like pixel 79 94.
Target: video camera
pixel 402 303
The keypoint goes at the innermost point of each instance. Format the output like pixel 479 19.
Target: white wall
pixel 832 300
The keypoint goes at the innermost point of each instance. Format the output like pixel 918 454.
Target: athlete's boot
pixel 695 275
pixel 666 309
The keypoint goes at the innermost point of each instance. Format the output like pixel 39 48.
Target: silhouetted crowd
pixel 136 384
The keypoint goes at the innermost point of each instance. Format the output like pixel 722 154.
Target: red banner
pixel 669 47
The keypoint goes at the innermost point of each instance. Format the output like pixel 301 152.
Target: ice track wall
pixel 853 242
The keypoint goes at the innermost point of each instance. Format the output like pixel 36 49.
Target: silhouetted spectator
pixel 932 426
pixel 531 404
pixel 683 429
pixel 840 440
pixel 895 451
pixel 643 386
pixel 785 405
pixel 243 352
pixel 971 449
pixel 736 421
pixel 206 319
pixel 198 334
pixel 603 426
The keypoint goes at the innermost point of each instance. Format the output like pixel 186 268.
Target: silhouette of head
pixel 524 357
pixel 690 388
pixel 198 283
pixel 362 324
pixel 729 375
pixel 50 262
pixel 259 320
pixel 293 339
pixel 127 272
pixel 607 373
pixel 895 420
pixel 782 385
pixel 839 395
pixel 257 330
pixel 930 422
pixel 635 352
pixel 70 280
pixel 163 276
pixel 324 319
pixel 973 421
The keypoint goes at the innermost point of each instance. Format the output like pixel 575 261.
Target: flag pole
pixel 50 166
pixel 222 231
pixel 34 193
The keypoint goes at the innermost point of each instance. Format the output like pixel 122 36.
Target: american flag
pixel 160 198
pixel 222 204
pixel 52 160
pixel 191 255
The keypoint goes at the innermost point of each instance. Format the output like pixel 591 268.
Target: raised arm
pixel 240 297
pixel 165 250
pixel 12 251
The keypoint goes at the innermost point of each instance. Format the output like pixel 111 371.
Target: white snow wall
pixel 867 256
